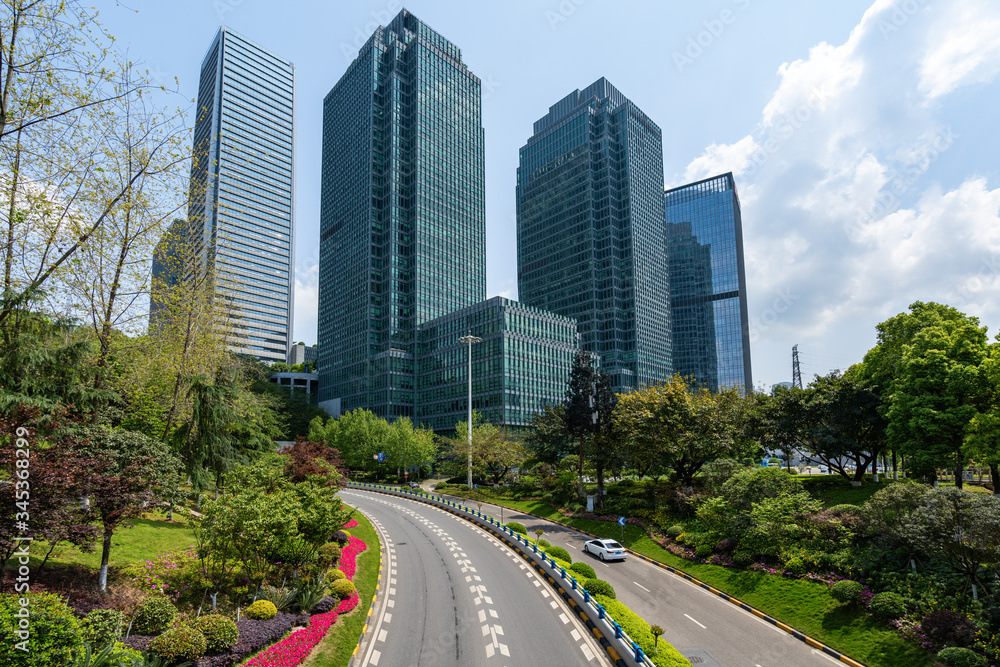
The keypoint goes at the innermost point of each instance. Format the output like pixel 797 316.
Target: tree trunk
pixel 102 577
pixel 995 477
pixel 958 474
pixel 895 466
pixel 580 462
pixel 600 485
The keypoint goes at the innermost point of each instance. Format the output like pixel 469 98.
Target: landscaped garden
pixel 266 573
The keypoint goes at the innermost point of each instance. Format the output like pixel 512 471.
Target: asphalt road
pixel 452 594
pixel 698 623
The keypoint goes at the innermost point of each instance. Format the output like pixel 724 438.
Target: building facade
pixel 590 230
pixel 302 353
pixel 242 215
pixel 167 269
pixel 402 212
pixel 708 283
pixel 521 364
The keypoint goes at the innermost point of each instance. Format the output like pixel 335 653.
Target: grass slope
pixel 338 645
pixel 147 539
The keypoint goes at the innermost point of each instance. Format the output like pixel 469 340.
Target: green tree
pixel 129 471
pixel 606 449
pixel 935 394
pixel 579 407
pixel 547 439
pixel 843 422
pixel 982 439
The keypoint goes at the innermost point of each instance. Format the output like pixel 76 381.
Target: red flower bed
pixel 293 649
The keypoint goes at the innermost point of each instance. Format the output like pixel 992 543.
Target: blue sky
pixel 862 134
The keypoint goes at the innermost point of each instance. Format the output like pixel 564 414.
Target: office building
pixel 167 270
pixel 402 212
pixel 708 283
pixel 302 353
pixel 590 230
pixel 242 214
pixel 521 364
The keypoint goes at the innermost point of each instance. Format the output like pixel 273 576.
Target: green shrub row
pixel 637 629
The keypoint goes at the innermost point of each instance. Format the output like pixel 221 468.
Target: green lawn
pixel 147 539
pixel 802 604
pixel 338 645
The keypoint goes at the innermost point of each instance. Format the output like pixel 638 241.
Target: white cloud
pixel 845 221
pixel 306 301
pixel 720 158
pixel 967 53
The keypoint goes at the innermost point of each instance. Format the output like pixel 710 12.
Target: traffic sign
pixel 621 521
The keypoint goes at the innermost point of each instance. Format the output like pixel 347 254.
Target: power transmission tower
pixel 796 369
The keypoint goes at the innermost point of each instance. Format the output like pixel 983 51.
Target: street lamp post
pixel 469 340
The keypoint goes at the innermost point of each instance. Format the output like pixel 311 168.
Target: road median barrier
pixel 619 647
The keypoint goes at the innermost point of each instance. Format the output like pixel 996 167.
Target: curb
pixel 371 607
pixel 801 636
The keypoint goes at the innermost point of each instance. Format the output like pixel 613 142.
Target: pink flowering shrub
pixel 294 648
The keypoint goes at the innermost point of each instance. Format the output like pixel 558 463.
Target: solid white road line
pixel 696 622
pixel 642 587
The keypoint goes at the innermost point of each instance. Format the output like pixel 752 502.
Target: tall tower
pixel 590 230
pixel 242 215
pixel 708 283
pixel 402 212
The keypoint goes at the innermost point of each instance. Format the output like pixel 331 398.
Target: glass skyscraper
pixel 402 212
pixel 708 283
pixel 242 215
pixel 590 230
pixel 521 365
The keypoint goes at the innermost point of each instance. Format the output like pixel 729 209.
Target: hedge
pixel 638 630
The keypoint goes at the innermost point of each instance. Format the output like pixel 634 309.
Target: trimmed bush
pixel 725 546
pixel 636 628
pixel 743 558
pixel 560 553
pixel 220 632
pixel 846 591
pixel 599 587
pixel 55 631
pixel 543 544
pixel 334 575
pixel 674 531
pixel 179 645
pixel 102 627
pixel 324 605
pixel 342 537
pixel 954 656
pixel 329 554
pixel 948 628
pixel 703 550
pixel 342 588
pixel 261 610
pixel 517 527
pixel 153 616
pixel 584 570
pixel 888 606
pixel 795 565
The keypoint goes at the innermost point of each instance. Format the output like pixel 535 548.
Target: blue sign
pixel 621 521
pixel 381 457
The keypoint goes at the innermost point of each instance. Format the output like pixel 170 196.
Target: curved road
pixel 452 594
pixel 708 630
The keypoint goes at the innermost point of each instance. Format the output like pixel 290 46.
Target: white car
pixel 605 549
